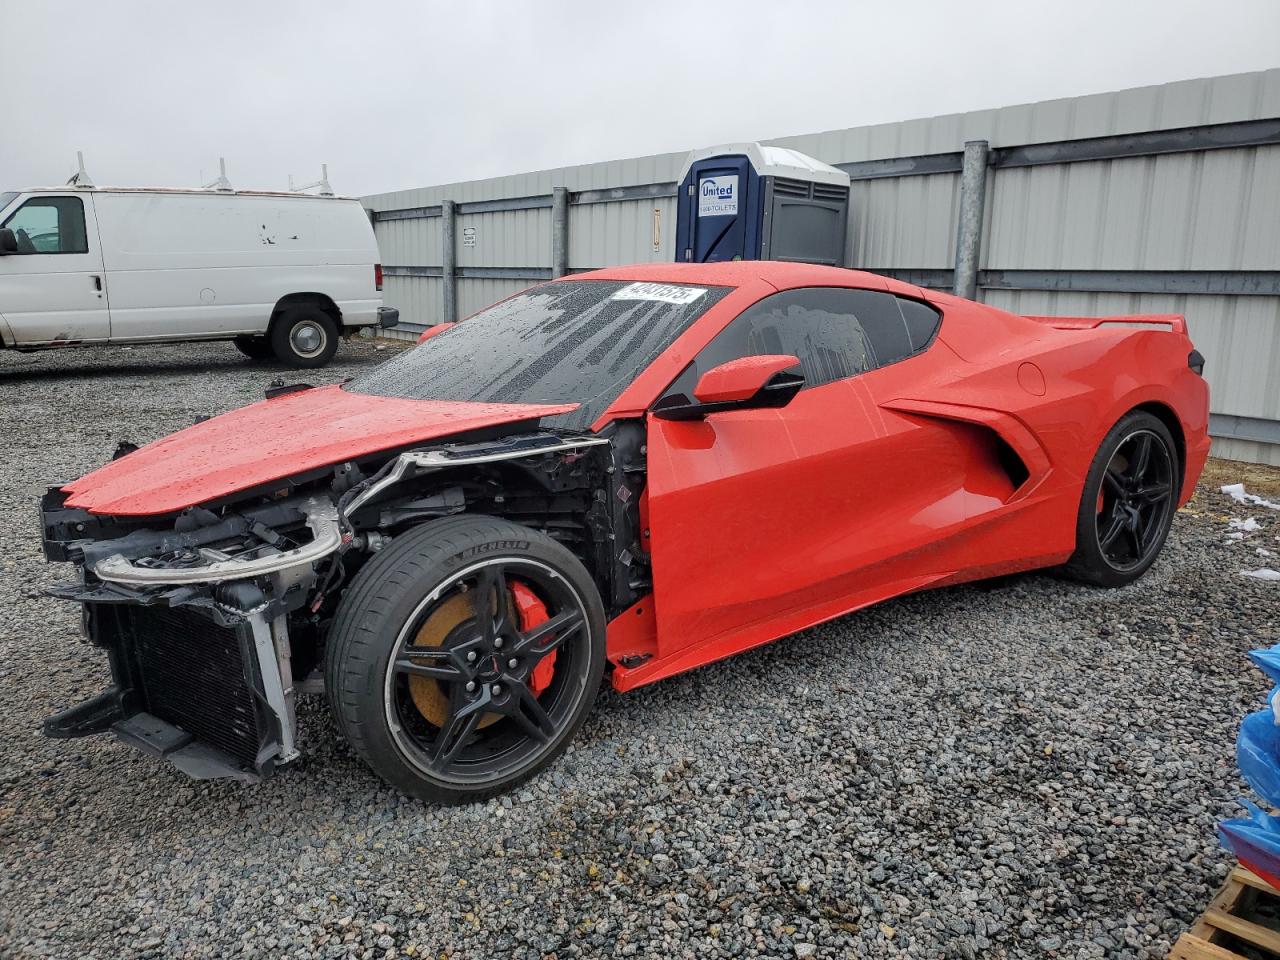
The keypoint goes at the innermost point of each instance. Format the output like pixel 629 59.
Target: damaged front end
pixel 195 622
pixel 214 618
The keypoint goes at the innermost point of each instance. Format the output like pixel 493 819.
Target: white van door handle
pixel 97 282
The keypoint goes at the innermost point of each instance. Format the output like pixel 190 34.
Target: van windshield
pixel 573 341
pixel 6 198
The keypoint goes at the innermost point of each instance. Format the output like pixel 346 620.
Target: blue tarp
pixel 1258 754
pixel 1255 839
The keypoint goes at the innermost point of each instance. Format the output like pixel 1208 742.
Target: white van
pixel 281 274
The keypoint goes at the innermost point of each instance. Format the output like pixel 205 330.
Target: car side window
pixel 896 327
pixel 49 225
pixel 835 332
pixel 817 325
pixel 922 322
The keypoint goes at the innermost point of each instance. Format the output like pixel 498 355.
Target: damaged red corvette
pixel 628 472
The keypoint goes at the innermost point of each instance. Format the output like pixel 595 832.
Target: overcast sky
pixel 405 94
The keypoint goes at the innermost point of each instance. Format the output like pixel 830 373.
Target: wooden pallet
pixel 1230 923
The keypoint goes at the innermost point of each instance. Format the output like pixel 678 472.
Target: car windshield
pixel 6 198
pixel 579 341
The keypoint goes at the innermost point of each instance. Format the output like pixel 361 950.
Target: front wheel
pixel 465 656
pixel 1127 507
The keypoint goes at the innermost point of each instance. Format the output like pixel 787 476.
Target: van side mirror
pixel 749 383
pixel 8 241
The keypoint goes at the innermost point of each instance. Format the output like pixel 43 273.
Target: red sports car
pixel 631 472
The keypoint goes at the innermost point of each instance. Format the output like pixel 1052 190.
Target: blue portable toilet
pixel 742 201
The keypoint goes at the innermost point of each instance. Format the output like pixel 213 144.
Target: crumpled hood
pixel 278 438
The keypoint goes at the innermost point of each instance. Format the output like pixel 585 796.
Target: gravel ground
pixel 1026 768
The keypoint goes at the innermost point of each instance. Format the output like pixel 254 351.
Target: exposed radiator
pixel 192 673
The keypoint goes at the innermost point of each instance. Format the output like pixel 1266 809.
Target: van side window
pixel 50 225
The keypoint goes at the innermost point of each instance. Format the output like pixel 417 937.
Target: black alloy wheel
pixel 1128 503
pixel 465 656
pixel 1136 492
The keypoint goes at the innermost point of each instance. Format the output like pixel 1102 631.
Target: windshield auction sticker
pixel 662 292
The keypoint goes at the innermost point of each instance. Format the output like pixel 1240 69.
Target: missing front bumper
pixel 207 694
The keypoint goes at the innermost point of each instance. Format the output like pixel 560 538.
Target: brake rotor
pixel 430 696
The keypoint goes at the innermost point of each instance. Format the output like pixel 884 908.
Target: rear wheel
pixel 465 656
pixel 304 337
pixel 255 348
pixel 1130 496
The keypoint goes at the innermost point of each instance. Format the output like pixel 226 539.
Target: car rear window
pixel 573 341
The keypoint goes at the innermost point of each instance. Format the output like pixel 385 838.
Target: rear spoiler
pixel 1174 322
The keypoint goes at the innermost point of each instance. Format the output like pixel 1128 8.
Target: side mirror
pixel 433 331
pixel 750 383
pixel 8 241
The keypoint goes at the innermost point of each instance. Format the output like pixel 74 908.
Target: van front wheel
pixel 304 337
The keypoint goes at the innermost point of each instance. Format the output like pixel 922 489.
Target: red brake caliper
pixel 533 612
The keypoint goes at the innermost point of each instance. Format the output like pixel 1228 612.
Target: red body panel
pixel 766 522
pixel 274 439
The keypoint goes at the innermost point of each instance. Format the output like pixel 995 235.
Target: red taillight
pixel 377 276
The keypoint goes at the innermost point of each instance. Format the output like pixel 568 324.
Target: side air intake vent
pixel 1010 462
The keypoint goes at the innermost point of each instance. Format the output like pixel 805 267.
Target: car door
pixel 746 523
pixel 765 521
pixel 53 289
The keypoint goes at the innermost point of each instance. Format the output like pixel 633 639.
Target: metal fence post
pixel 973 188
pixel 559 231
pixel 449 259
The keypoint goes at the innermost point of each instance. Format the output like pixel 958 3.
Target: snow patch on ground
pixel 1264 574
pixel 1248 525
pixel 1237 493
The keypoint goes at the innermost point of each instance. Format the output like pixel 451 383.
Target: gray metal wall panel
pixel 1246 96
pixel 409 243
pixel 1214 210
pixel 1248 450
pixel 475 295
pixel 904 222
pixel 417 299
pixel 511 238
pixel 657 168
pixel 609 234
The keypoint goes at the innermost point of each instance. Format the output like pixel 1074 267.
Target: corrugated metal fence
pixel 1154 200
